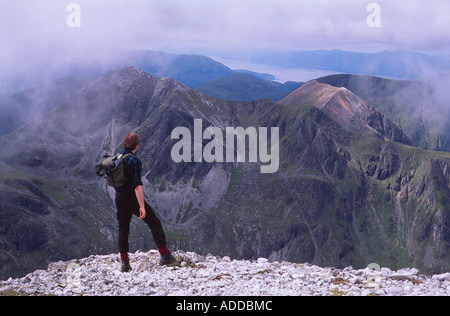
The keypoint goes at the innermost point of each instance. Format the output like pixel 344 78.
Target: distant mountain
pixel 191 70
pixel 420 107
pixel 246 87
pixel 207 75
pixel 391 64
pixel 49 85
pixel 347 109
pixel 43 66
pixel 341 197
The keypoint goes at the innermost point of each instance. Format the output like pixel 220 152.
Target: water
pixel 280 72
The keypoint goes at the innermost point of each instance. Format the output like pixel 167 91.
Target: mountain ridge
pixel 246 87
pixel 347 109
pixel 419 106
pixel 340 198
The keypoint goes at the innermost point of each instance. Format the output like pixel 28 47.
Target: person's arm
pixel 140 197
pixel 136 174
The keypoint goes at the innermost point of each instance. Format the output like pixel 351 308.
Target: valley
pixel 352 186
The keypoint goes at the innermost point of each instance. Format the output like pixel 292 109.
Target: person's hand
pixel 142 213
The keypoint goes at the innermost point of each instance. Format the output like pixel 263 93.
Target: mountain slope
pixel 246 87
pixel 41 66
pixel 347 109
pixel 191 70
pixel 51 199
pixel 339 198
pixel 419 106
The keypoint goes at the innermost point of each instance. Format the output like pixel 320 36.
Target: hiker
pixel 130 200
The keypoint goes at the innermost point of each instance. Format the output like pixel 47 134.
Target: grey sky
pixel 232 25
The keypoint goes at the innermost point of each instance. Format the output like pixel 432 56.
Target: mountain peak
pixel 323 96
pixel 126 75
pixel 339 104
pixel 347 109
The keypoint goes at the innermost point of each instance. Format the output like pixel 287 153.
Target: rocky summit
pixel 197 275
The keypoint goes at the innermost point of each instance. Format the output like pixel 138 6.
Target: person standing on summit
pixel 130 200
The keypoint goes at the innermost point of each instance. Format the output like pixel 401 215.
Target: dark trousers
pixel 127 205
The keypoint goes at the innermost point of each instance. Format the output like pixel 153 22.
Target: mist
pixel 41 43
pixel 38 32
pixel 227 24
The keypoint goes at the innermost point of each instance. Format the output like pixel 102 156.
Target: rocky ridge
pixel 339 199
pixel 347 109
pixel 219 276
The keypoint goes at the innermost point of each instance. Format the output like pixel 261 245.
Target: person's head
pixel 131 141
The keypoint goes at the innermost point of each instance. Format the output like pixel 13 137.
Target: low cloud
pixel 222 24
pixel 36 31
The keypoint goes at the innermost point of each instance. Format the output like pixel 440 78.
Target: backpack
pixel 111 167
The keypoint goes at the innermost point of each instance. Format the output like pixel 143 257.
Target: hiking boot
pixel 168 260
pixel 125 267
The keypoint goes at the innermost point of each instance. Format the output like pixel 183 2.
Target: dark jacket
pixel 133 171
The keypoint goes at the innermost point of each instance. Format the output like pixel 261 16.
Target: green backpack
pixel 111 167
